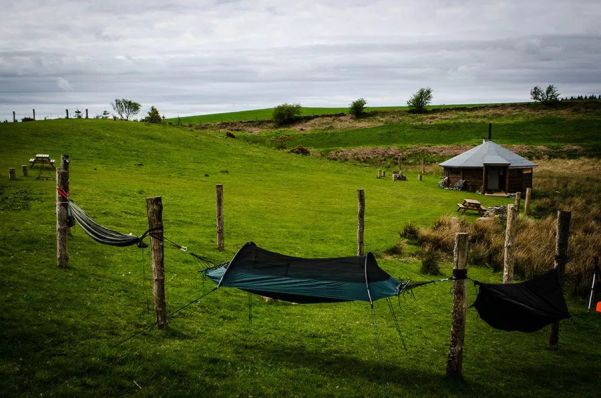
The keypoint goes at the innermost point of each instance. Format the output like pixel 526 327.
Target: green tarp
pixel 304 280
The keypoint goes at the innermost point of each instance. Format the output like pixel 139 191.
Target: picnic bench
pixel 471 204
pixel 41 160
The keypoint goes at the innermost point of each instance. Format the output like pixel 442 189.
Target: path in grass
pixel 61 328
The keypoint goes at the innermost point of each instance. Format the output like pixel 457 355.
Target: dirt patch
pixel 337 122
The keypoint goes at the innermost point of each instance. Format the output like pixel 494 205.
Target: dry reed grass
pixel 560 184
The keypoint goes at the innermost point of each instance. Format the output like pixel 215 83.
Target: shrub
pixel 286 113
pixel 410 232
pixel 300 150
pixel 548 97
pixel 420 100
pixel 430 258
pixel 153 116
pixel 28 119
pixel 357 108
pixel 395 250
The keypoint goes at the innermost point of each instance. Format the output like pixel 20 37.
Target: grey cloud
pixel 191 57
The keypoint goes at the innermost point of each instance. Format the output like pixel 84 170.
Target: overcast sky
pixel 193 57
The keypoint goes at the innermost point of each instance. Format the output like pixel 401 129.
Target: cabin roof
pixel 488 153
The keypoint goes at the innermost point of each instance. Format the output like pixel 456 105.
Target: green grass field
pixel 267 114
pixel 533 127
pixel 62 328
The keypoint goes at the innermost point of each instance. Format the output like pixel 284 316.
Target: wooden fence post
pixel 360 221
pixel 455 357
pixel 86 113
pixel 154 207
pixel 527 202
pixel 24 170
pixel 400 161
pixel 67 113
pixel 518 198
pixel 62 226
pixel 561 258
pixel 420 177
pixel 220 238
pixel 33 113
pixel 508 255
pixel 14 117
pixel 12 173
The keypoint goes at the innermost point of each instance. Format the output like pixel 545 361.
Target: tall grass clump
pixel 560 184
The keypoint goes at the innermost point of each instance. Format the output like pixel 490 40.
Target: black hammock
pixel 527 306
pixel 102 234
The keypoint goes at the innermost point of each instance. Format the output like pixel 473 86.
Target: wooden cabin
pixel 490 168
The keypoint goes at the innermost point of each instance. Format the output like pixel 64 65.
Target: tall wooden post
pixel 67 113
pixel 12 174
pixel 400 161
pixel 527 202
pixel 360 221
pixel 14 117
pixel 33 113
pixel 220 238
pixel 455 357
pixel 86 113
pixel 24 170
pixel 508 249
pixel 561 258
pixel 62 226
pixel 423 167
pixel 518 199
pixel 154 207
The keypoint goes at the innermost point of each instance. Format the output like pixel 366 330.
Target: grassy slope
pixel 573 124
pixel 267 114
pixel 61 328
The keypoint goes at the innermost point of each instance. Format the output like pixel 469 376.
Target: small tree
pixel 286 113
pixel 153 116
pixel 420 100
pixel 77 114
pixel 547 97
pixel 357 108
pixel 125 108
pixel 105 114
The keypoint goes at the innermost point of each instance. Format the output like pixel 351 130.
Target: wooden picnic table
pixel 41 160
pixel 471 204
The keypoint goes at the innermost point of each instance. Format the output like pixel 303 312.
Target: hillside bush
pixel 286 113
pixel 418 102
pixel 430 260
pixel 153 116
pixel 357 108
pixel 549 96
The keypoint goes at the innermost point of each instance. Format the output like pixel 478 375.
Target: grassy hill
pixel 61 329
pixel 267 114
pixel 571 129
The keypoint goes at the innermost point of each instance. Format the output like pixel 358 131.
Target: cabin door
pixel 493 177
